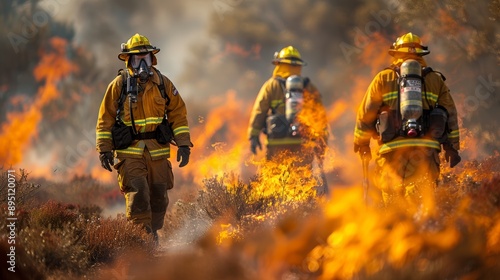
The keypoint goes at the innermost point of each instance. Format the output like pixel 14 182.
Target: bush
pixel 25 191
pixel 105 239
pixel 53 215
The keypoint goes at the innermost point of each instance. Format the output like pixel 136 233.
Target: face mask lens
pixel 136 59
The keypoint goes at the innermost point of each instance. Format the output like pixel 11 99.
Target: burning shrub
pixel 344 238
pixel 223 196
pixel 246 206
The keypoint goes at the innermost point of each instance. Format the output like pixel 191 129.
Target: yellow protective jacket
pixel 383 93
pixel 272 95
pixel 148 114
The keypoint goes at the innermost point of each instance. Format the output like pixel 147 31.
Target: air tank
pixel 294 96
pixel 411 96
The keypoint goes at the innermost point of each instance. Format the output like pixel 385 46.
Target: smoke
pixel 101 27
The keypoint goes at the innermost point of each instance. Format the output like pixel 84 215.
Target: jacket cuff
pixel 183 140
pixel 104 147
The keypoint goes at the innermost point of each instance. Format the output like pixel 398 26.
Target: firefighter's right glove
pixel 107 160
pixel 451 155
pixel 364 151
pixel 254 144
pixel 183 155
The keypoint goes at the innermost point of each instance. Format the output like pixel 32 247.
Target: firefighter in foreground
pixel 409 109
pixel 289 110
pixel 141 115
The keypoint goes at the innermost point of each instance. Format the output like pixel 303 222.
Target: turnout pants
pixel 410 173
pixel 144 183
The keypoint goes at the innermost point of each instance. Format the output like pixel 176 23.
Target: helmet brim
pixel 291 61
pixel 124 55
pixel 418 51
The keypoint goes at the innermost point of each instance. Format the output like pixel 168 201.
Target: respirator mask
pixel 141 64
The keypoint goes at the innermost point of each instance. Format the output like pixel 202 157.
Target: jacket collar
pixel 400 59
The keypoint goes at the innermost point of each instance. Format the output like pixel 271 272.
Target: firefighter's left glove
pixel 183 155
pixel 107 160
pixel 451 155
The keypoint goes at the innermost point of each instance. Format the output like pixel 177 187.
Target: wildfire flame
pixel 21 127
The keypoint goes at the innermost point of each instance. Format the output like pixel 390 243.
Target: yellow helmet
pixel 289 55
pixel 136 44
pixel 408 43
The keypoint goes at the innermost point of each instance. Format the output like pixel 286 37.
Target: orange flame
pixel 221 144
pixel 21 127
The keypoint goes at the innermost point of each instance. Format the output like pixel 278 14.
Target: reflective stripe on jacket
pixel 148 114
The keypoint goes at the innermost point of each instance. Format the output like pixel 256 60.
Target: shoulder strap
pixel 283 87
pixel 427 70
pixel 161 87
pixel 123 93
pixel 393 68
pixel 282 82
pixel 397 71
pixel 306 81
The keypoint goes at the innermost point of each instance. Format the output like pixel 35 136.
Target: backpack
pixel 277 126
pixel 433 120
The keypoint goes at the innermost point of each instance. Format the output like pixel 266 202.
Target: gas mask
pixel 141 64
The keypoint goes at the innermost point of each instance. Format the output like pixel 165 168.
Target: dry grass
pixel 62 240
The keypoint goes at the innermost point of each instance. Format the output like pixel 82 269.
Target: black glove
pixel 183 155
pixel 107 160
pixel 451 155
pixel 254 143
pixel 364 151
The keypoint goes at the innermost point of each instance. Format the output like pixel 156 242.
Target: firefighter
pixel 289 110
pixel 409 109
pixel 140 116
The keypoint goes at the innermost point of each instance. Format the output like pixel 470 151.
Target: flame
pixel 280 178
pixel 20 131
pixel 359 239
pixel 221 143
pixel 22 127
